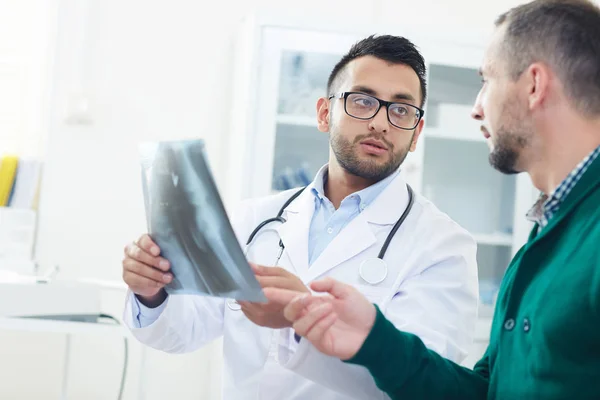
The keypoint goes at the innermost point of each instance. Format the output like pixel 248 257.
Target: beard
pixel 506 152
pixel 346 153
pixel 510 140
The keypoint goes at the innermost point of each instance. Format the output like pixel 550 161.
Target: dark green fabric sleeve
pixel 405 369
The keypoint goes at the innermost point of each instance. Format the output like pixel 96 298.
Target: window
pixel 26 32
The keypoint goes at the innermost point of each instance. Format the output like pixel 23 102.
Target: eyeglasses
pixel 363 106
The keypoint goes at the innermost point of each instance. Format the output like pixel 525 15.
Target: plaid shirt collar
pixel 546 206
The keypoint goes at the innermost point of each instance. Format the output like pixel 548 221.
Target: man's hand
pixel 270 315
pixel 145 272
pixel 336 324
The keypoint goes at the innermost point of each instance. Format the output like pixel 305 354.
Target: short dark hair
pixel 565 34
pixel 393 49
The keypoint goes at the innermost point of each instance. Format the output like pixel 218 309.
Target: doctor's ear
pixel 415 139
pixel 323 114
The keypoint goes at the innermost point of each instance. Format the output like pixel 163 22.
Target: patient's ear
pixel 537 77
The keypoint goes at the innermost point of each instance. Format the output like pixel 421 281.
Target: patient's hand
pixel 336 324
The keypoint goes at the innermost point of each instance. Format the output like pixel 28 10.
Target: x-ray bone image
pixel 187 220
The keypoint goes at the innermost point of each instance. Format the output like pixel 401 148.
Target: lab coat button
pixel 329 230
pixel 526 325
pixel 509 324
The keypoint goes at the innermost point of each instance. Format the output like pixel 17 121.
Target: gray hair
pixel 565 34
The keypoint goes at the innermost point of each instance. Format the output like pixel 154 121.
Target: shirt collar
pixel 364 197
pixel 569 182
pixel 318 186
pixel 547 205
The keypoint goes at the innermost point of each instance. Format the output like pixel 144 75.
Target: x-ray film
pixel 187 220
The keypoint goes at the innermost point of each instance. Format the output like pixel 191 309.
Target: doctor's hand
pixel 336 324
pixel 270 315
pixel 145 272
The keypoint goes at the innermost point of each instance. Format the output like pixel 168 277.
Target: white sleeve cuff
pixel 287 345
pixel 145 316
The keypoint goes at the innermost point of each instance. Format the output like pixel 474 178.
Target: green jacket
pixel 545 337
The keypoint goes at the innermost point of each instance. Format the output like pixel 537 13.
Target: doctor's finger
pixel 304 325
pixel 139 254
pixel 146 243
pixel 269 271
pixel 336 288
pixel 280 282
pixel 250 309
pixel 281 296
pixel 147 271
pixel 140 284
pixel 250 305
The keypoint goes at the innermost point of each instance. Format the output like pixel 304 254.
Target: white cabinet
pixel 283 70
pixel 278 142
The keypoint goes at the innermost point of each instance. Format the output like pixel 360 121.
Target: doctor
pixel 357 208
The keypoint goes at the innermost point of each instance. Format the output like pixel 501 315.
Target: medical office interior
pixel 84 82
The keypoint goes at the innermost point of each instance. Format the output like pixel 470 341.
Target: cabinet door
pixel 458 177
pixel 294 65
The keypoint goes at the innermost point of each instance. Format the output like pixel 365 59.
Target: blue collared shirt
pixel 327 222
pixel 546 206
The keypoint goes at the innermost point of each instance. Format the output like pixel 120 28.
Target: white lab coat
pixel 430 290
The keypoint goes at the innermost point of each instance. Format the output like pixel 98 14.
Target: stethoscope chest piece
pixel 373 270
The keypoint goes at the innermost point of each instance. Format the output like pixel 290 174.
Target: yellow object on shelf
pixel 8 170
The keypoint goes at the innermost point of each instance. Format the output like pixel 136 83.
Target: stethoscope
pixel 373 270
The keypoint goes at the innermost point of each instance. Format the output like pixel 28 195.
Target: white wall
pixel 151 70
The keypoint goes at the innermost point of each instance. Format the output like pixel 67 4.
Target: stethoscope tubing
pixel 380 256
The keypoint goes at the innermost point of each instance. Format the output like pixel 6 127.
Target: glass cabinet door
pixel 300 149
pixel 458 178
pixel 287 148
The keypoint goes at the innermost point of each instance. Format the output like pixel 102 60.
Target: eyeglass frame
pixel 384 103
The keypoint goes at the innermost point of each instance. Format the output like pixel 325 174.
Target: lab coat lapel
pixel 359 234
pixel 294 232
pixel 353 239
pixel 389 206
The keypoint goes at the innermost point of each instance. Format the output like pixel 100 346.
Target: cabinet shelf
pixel 298 120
